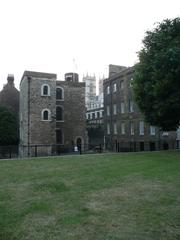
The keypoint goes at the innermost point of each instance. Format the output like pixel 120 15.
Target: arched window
pixel 45 90
pixel 45 115
pixel 59 93
pixel 59 136
pixel 59 113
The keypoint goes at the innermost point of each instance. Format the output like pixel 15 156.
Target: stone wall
pixel 74 124
pixel 36 131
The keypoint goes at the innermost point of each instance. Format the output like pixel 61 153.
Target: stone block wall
pixel 37 132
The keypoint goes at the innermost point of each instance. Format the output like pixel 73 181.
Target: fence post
pixel 35 150
pixel 10 152
pixel 79 147
pixel 100 148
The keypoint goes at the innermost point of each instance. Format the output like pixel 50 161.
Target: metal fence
pixel 46 150
pixel 9 152
pixel 57 150
pixel 136 146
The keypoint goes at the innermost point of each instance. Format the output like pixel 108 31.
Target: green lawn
pixel 96 197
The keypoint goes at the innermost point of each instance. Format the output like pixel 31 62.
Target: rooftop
pixel 39 75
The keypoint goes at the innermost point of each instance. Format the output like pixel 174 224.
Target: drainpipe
pixel 29 79
pixel 111 112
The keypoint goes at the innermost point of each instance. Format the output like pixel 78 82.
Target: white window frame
pixel 108 89
pixel 122 107
pixel 114 87
pixel 42 90
pixel 131 106
pixel 115 109
pixel 115 128
pixel 132 128
pixel 152 130
pixel 49 115
pixel 123 128
pixel 141 128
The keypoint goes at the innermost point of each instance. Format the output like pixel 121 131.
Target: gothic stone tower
pixel 52 113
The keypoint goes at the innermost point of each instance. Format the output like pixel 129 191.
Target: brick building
pixel 125 128
pixel 95 126
pixel 52 114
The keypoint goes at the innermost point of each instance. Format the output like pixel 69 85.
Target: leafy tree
pixel 8 127
pixel 157 75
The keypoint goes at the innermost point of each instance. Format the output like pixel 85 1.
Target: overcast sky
pixel 46 35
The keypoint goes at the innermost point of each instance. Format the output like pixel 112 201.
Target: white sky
pixel 46 35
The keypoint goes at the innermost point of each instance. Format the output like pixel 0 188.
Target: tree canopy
pixel 157 75
pixel 8 127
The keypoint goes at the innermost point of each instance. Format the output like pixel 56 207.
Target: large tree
pixel 157 75
pixel 8 127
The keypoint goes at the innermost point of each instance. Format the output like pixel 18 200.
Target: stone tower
pixel 90 90
pixel 52 113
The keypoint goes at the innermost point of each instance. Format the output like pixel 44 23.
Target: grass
pixel 101 197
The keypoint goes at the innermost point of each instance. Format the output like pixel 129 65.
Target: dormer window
pixel 45 90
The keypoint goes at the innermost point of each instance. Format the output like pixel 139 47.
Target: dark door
pixel 141 146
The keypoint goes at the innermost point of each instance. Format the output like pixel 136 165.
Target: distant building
pixel 101 94
pixel 125 128
pixel 90 91
pixel 52 114
pixel 9 96
pixel 95 126
pixel 101 85
pixel 94 111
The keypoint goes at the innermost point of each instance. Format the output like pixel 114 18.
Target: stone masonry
pixel 34 106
